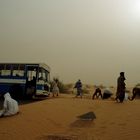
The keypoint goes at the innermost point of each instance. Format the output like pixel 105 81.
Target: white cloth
pixel 126 96
pixel 107 90
pixel 55 88
pixel 10 106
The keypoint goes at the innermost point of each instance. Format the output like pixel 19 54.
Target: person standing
pixel 55 89
pixel 120 94
pixel 78 86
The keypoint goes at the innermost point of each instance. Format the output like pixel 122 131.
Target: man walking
pixel 120 94
pixel 78 86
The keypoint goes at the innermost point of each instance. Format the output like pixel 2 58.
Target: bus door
pixel 31 78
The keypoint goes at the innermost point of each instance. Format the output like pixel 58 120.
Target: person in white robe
pixel 10 106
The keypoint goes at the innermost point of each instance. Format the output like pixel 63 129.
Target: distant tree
pixel 102 86
pixel 138 85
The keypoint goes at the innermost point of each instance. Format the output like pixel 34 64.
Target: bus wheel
pixel 30 92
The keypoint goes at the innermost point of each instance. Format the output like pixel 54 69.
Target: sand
pixel 56 119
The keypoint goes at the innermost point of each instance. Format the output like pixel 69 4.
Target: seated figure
pixel 10 106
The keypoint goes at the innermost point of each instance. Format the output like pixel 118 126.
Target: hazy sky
pixel 91 40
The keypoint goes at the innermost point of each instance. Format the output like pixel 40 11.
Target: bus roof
pixel 42 65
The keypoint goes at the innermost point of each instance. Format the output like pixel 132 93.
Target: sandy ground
pixel 57 117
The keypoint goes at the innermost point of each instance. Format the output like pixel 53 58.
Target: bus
pixel 24 80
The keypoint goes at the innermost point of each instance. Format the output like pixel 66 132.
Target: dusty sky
pixel 91 40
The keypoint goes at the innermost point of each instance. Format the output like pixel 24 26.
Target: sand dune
pixel 56 118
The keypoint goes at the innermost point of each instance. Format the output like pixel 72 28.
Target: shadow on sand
pixel 82 123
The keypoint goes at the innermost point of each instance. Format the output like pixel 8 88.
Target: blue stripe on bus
pixel 40 87
pixel 5 87
pixel 13 77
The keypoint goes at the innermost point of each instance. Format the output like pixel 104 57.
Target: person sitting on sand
pixel 10 106
pixel 98 90
pixel 107 93
pixel 135 92
pixel 78 86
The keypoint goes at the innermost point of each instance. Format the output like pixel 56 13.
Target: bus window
pixel 42 74
pixel 18 70
pixel 31 72
pixel 5 70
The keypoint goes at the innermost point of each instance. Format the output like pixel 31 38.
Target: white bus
pixel 24 80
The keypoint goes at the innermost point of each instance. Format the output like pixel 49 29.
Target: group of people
pixel 10 106
pixel 120 93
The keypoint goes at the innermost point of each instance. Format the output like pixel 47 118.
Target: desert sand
pixel 56 119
